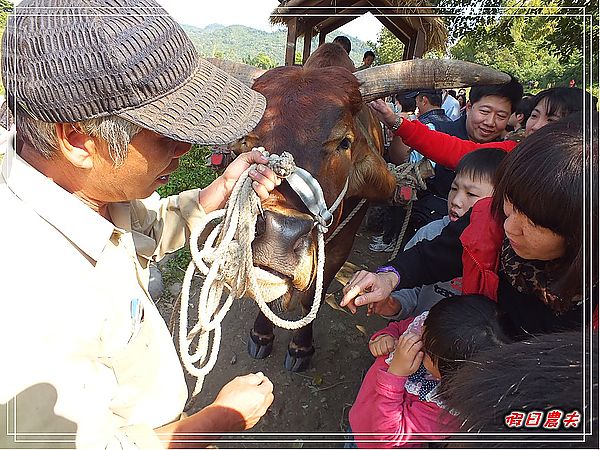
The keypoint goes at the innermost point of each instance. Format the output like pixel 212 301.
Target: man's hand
pixel 407 356
pixel 250 395
pixel 383 111
pixel 264 179
pixel 382 345
pixel 238 406
pixel 367 287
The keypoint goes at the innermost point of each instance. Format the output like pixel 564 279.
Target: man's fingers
pixel 255 156
pixel 367 298
pixel 262 178
pixel 260 190
pixel 350 294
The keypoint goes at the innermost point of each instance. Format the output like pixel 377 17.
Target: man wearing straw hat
pixel 106 96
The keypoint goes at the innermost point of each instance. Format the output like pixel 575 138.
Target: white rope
pixel 407 174
pixel 346 220
pixel 226 261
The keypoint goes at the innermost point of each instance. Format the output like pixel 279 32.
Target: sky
pixel 252 13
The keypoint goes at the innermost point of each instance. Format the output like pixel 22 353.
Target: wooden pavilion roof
pixel 413 22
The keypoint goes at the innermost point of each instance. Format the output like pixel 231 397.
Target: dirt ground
pixel 310 409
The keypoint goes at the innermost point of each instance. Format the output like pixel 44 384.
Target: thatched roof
pixel 415 14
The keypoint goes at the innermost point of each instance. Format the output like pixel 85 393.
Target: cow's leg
pixel 261 339
pixel 300 348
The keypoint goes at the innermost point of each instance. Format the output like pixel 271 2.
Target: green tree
pixel 388 48
pixel 261 60
pixel 535 40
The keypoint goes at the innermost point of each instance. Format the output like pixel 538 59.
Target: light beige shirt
pixel 85 357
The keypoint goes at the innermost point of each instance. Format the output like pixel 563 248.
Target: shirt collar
pixel 88 230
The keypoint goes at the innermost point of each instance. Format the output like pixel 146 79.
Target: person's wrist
pixel 392 275
pixel 396 124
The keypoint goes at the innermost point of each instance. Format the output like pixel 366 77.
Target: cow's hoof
pixel 260 347
pixel 299 361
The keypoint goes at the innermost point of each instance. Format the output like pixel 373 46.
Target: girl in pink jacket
pixel 398 404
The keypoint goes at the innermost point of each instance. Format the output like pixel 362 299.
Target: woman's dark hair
pixel 481 164
pixel 562 101
pixel 408 103
pixel 458 327
pixel 544 179
pixel 524 107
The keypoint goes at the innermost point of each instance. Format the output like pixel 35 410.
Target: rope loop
pixel 225 260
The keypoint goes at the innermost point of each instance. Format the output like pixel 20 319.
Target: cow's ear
pixel 371 178
pixel 244 144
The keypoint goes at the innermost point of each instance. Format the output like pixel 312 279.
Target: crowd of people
pixel 513 236
pixel 492 268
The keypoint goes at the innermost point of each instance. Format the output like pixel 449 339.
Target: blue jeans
pixel 349 439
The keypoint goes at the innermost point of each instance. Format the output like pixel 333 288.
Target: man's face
pixel 151 158
pixel 368 60
pixel 420 104
pixel 487 118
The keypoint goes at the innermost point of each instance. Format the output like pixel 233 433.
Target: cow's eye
pixel 345 144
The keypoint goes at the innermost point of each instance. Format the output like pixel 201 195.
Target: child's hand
pixel 407 356
pixel 382 345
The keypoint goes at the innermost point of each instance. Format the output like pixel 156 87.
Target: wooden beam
pixel 290 49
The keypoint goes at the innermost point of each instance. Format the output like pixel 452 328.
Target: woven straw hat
pixel 71 60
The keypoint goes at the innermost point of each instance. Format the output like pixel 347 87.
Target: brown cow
pixel 312 113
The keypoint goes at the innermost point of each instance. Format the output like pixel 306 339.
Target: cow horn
pixel 380 81
pixel 245 73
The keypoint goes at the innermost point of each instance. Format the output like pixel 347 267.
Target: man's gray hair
pixel 117 133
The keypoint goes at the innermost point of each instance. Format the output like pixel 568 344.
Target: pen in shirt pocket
pixel 137 315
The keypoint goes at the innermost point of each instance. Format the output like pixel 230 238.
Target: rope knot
pixel 283 165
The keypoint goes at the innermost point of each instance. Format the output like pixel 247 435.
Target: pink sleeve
pixel 440 147
pixel 401 415
pixel 394 329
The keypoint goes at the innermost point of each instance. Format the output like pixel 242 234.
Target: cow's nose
pixel 282 241
pixel 285 233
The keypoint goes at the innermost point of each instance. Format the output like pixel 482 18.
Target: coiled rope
pixel 411 175
pixel 226 261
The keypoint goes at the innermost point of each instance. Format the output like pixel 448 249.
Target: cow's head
pixel 312 113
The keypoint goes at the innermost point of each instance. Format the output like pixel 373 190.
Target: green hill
pixel 241 43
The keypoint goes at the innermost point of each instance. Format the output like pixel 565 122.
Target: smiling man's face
pixel 487 118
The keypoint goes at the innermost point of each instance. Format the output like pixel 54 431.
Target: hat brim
pixel 212 107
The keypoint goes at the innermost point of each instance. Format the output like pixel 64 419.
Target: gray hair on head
pixel 117 133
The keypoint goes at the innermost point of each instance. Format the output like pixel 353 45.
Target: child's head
pixel 456 328
pixel 474 180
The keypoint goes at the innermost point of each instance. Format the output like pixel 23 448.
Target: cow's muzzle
pixel 284 245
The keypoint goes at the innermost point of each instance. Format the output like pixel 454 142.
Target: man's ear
pixel 520 117
pixel 469 105
pixel 76 146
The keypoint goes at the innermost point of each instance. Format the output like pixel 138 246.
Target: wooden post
pixel 322 36
pixel 419 44
pixel 307 41
pixel 290 49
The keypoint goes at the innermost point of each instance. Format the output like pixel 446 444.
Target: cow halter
pixel 310 192
pixel 226 261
